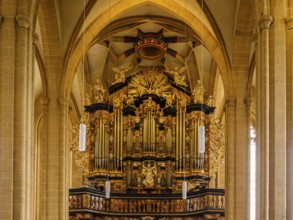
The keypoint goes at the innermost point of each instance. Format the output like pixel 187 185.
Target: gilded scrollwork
pixel 83 158
pixel 216 144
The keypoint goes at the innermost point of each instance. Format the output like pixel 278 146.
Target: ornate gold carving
pixel 138 143
pixel 83 158
pixel 179 79
pixel 149 173
pixel 216 144
pixel 198 92
pixel 120 75
pixel 150 82
pixel 99 91
pixel 210 101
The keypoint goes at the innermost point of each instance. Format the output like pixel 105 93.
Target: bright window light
pixel 252 185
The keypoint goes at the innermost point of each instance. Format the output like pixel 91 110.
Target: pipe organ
pixel 148 134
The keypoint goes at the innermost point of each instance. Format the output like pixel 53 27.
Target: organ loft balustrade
pixel 147 134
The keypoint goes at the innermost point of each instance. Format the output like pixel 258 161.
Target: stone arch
pixel 290 8
pixel 51 39
pixel 42 72
pixel 210 42
pixel 251 73
pixel 244 34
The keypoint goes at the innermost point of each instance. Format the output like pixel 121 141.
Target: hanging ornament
pixel 201 139
pixel 184 190
pixel 82 137
pixel 108 189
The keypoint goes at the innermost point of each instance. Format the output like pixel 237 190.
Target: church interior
pixel 146 109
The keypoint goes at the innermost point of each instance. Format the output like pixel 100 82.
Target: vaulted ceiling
pixel 110 49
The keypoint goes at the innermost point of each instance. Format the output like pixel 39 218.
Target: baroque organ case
pixel 146 135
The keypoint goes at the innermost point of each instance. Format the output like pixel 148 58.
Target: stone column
pixel 256 40
pixel 277 114
pixel 230 159
pixel 263 109
pixel 63 159
pixel 22 110
pixel 7 73
pixel 248 103
pixel 289 116
pixel 41 195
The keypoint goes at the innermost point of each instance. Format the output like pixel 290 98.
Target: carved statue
pixel 99 91
pixel 210 101
pixel 120 75
pixel 198 92
pixel 169 99
pixel 87 99
pixel 149 173
pixel 179 79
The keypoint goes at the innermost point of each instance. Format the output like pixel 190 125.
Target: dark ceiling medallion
pixel 150 48
pixel 150 45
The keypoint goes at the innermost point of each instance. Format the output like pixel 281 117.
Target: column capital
pixel 62 101
pixel 231 102
pixel 248 101
pixel 289 22
pixel 45 101
pixel 23 21
pixel 265 22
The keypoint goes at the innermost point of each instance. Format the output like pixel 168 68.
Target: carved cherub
pixel 149 173
pixel 120 75
pixel 179 79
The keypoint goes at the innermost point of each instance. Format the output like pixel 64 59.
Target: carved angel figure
pixel 149 173
pixel 169 99
pixel 99 91
pixel 179 79
pixel 120 75
pixel 198 92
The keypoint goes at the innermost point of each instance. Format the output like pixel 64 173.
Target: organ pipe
pixel 177 140
pixel 121 139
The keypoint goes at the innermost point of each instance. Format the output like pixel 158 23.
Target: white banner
pixel 82 137
pixel 108 189
pixel 201 139
pixel 184 190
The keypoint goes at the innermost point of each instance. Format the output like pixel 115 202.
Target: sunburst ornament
pixel 150 82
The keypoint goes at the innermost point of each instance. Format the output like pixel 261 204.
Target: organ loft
pixel 153 143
